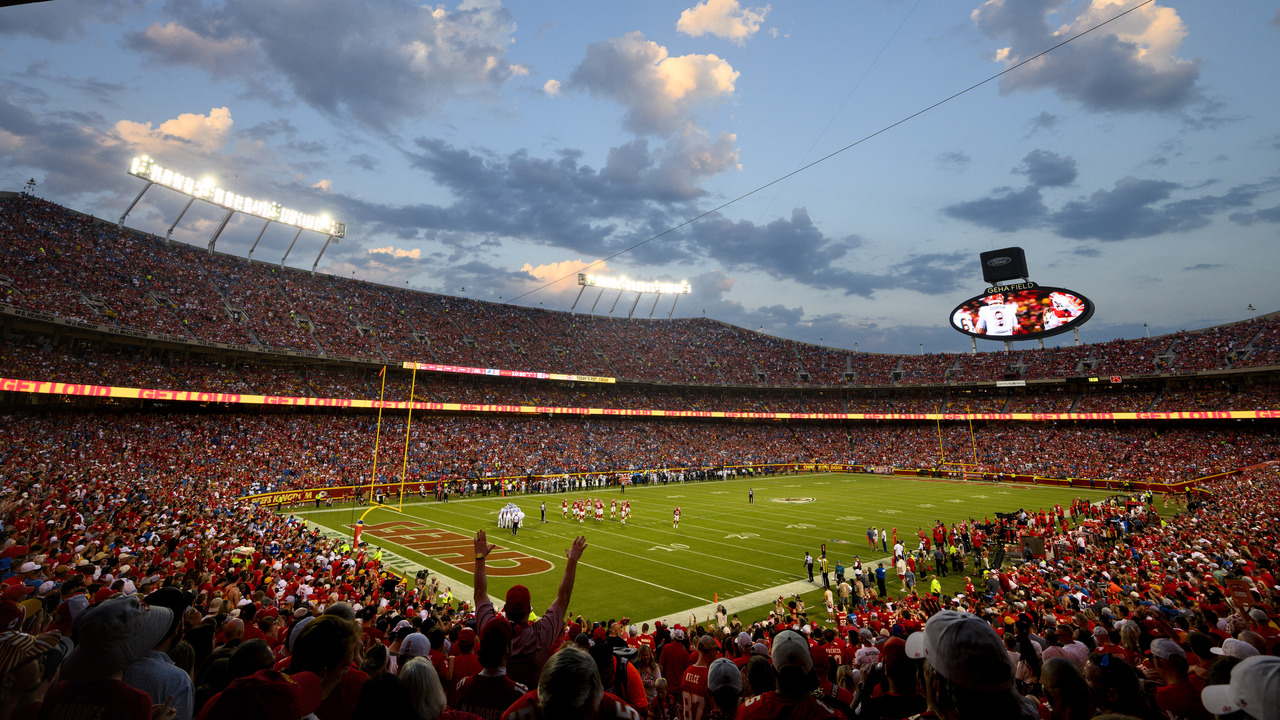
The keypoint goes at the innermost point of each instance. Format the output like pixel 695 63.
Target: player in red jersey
pixel 564 508
pixel 570 688
pixel 675 518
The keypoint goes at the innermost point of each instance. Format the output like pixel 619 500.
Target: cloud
pixel 1202 266
pixel 180 45
pixel 63 21
pixel 1133 208
pixel 1136 208
pixel 563 275
pixel 1130 65
pixel 396 252
pixel 1047 169
pixel 327 51
pixel 189 132
pixel 1004 210
pixel 794 249
pixel 659 91
pixel 1269 215
pixel 1044 121
pixel 551 87
pixel 724 19
pixel 953 160
pixel 324 185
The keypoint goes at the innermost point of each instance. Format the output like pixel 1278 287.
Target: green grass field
pixel 742 553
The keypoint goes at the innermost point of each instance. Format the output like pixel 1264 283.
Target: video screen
pixel 1022 314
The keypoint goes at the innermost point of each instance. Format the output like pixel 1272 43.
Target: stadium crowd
pixel 73 266
pixel 147 595
pixel 291 449
pixel 137 582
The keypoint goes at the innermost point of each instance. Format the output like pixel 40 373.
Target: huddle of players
pixel 595 507
pixel 510 516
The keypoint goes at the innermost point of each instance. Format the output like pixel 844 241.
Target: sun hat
pixel 112 635
pixel 17 648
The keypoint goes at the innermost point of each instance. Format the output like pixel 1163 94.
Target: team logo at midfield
pixel 793 500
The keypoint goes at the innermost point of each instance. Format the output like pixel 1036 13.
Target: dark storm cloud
pixel 363 161
pixel 329 52
pixel 1103 71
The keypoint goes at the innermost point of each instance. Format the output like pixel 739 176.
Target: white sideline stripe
pixel 761 597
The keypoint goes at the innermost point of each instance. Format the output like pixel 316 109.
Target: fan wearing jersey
pixel 694 697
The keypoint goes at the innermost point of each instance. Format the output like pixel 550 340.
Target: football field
pixel 727 549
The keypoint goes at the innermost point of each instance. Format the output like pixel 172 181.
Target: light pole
pixel 922 348
pixel 1251 311
pixel 1146 329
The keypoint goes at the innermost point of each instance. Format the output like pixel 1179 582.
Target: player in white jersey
pixel 997 317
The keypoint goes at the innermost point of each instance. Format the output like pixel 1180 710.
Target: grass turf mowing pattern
pixel 724 546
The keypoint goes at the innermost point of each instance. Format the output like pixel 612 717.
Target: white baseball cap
pixel 1254 688
pixel 790 649
pixel 964 649
pixel 1232 647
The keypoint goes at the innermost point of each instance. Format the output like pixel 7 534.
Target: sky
pixel 821 171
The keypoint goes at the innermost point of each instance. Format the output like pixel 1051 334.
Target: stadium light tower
pixel 146 169
pixel 639 287
pixel 1251 311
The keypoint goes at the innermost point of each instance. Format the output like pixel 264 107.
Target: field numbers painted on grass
pixel 983 497
pixel 955 500
pixel 675 496
pixel 926 505
pixel 801 526
pixel 890 512
pixel 670 548
pixel 849 518
pixel 741 536
pixel 719 492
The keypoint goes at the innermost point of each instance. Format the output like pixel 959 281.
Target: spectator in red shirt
pixel 530 643
pixel 490 691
